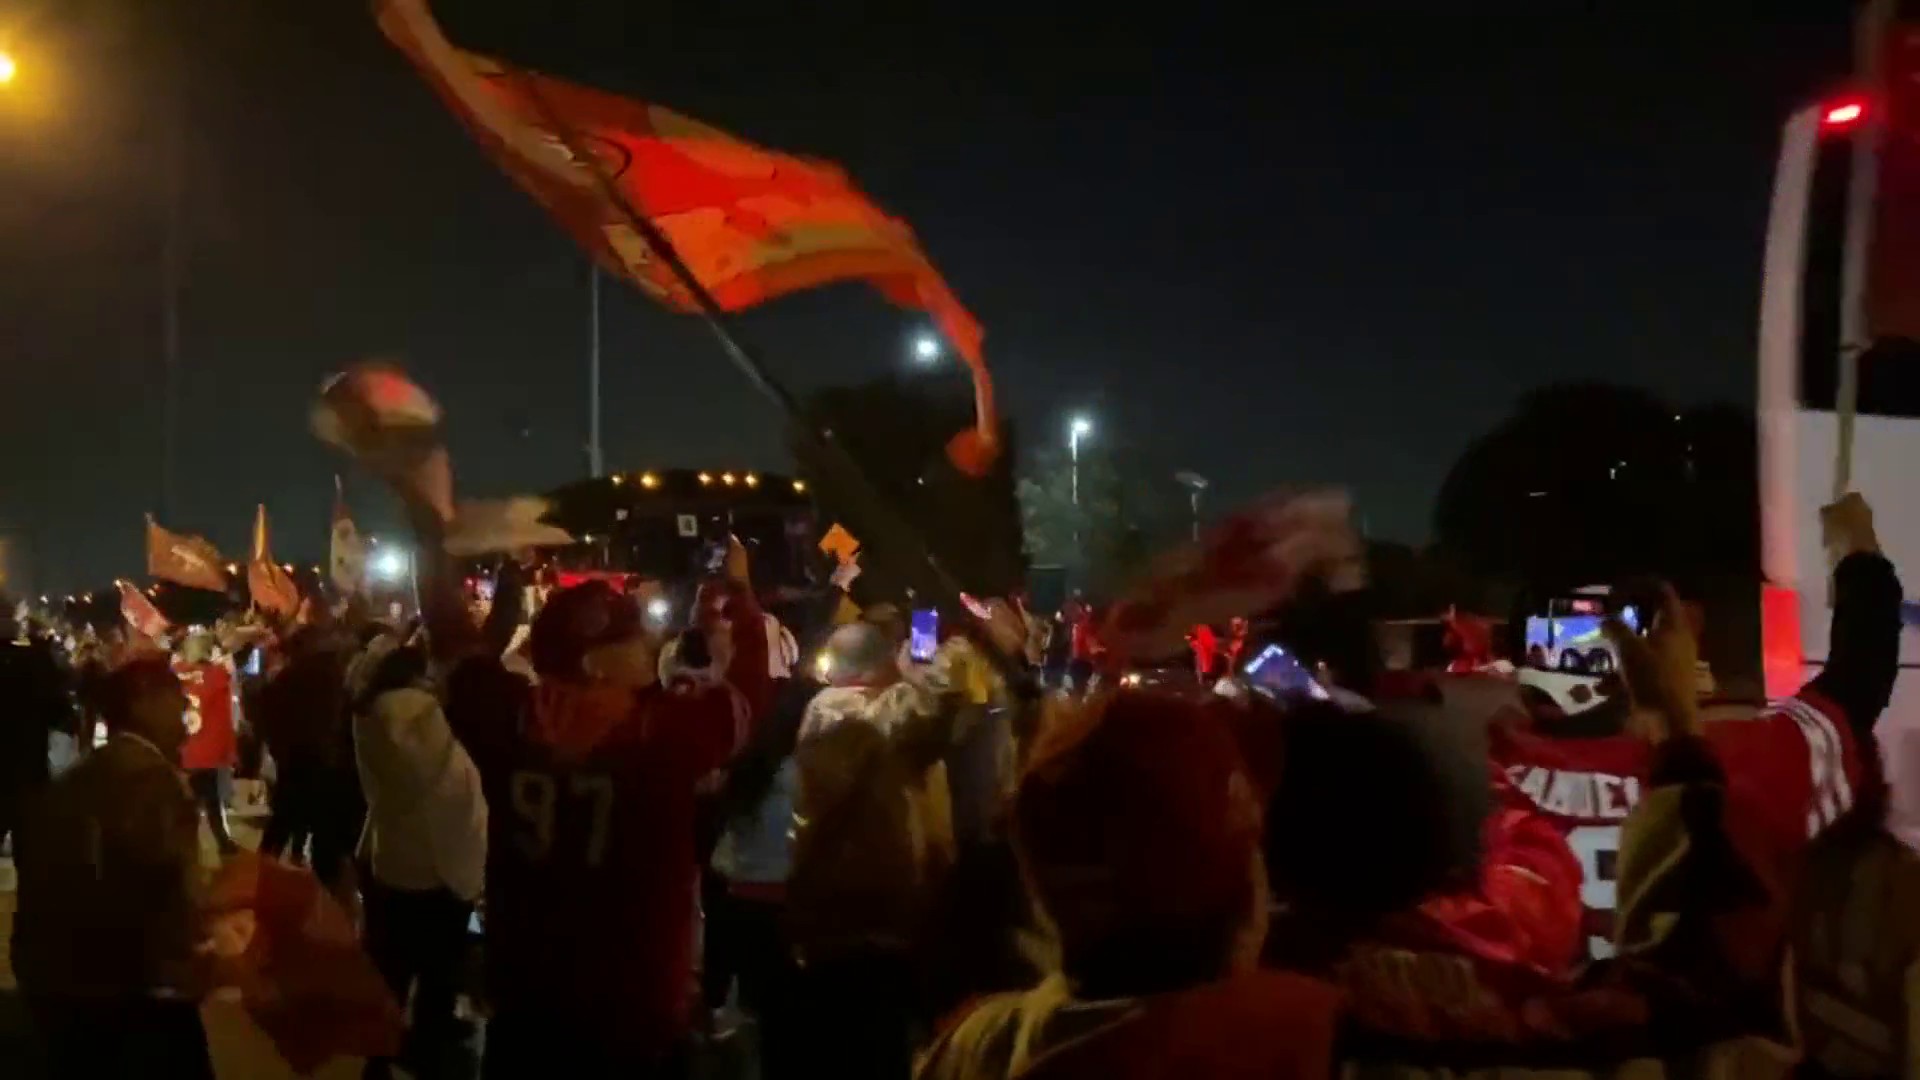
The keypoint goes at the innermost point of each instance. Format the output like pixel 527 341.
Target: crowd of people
pixel 677 851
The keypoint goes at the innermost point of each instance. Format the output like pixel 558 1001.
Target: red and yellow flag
pixel 272 588
pixel 751 224
pixel 184 560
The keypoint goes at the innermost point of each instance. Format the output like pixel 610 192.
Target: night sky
pixel 1328 248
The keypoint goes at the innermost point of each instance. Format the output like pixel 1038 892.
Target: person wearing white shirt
pixel 426 835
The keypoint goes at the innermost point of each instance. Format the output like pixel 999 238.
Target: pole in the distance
pixel 1195 485
pixel 1862 183
pixel 596 461
pixel 170 275
pixel 1078 428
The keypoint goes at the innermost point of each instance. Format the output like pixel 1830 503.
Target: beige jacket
pixel 873 820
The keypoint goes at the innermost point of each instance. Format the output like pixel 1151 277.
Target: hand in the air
pixel 1846 527
pixel 1659 671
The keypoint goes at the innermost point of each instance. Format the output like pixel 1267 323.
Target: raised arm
pixel 1863 650
pixel 425 490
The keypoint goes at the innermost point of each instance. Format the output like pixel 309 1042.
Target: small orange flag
pixel 184 560
pixel 272 588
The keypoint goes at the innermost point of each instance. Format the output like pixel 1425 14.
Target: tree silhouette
pixel 1590 484
pixel 897 433
pixel 1129 510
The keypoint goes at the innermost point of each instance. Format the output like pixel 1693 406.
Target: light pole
pixel 596 463
pixel 1195 484
pixel 1078 428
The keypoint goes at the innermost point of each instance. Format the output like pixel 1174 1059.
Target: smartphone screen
pixel 1279 672
pixel 924 634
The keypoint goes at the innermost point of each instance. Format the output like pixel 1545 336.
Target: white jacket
pixel 426 813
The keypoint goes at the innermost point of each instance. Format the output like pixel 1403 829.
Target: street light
pixel 926 349
pixel 390 564
pixel 1078 428
pixel 8 69
pixel 1195 484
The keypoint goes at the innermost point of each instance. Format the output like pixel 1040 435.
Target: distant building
pixel 671 524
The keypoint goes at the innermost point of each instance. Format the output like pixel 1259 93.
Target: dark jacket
pixel 110 879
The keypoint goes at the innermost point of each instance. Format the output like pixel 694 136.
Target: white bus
pixel 1842 277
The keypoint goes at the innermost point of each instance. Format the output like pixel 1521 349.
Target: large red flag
pixel 752 224
pixel 184 560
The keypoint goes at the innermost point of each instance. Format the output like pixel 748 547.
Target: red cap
pixel 576 620
pixel 1135 812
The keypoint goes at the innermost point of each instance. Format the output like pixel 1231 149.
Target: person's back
pixel 584 846
pixel 873 832
pixel 591 781
pixel 104 909
pixel 105 941
pixel 1139 835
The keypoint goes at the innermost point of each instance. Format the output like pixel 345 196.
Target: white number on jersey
pixel 1597 847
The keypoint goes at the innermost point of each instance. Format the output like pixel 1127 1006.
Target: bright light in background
pixel 390 564
pixel 1844 113
pixel 659 608
pixel 8 69
pixel 926 349
pixel 1081 427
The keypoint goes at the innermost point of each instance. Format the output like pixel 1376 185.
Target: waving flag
pixel 184 560
pixel 139 611
pixel 347 552
pixel 751 224
pixel 1245 565
pixel 272 588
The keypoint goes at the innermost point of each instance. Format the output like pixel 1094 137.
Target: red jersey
pixel 1792 769
pixel 591 860
pixel 1586 787
pixel 1458 966
pixel 1468 965
pixel 210 740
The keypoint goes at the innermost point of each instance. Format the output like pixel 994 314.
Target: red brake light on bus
pixel 1843 114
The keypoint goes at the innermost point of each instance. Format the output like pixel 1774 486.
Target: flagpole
pixel 596 463
pixel 748 361
pixel 170 275
pixel 1870 33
